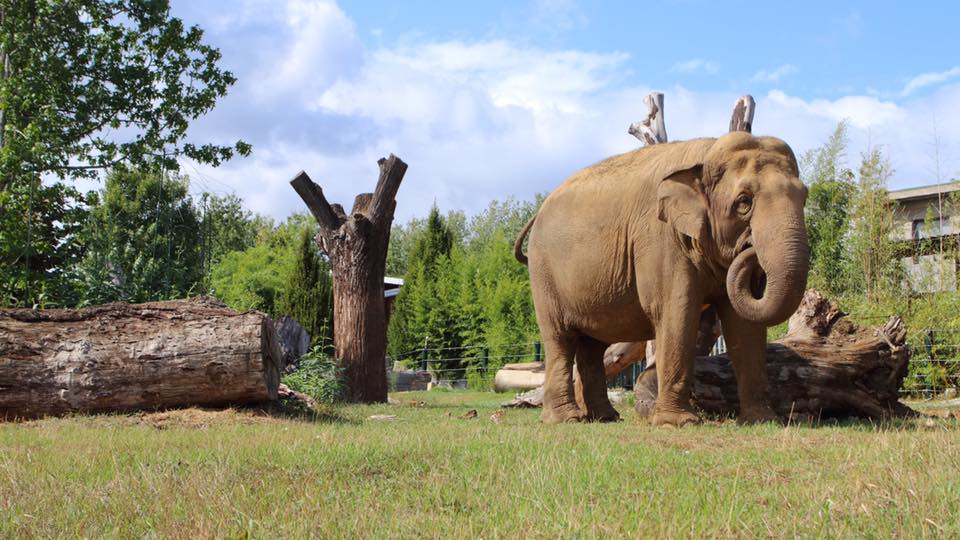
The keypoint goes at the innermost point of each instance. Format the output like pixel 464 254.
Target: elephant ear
pixel 681 203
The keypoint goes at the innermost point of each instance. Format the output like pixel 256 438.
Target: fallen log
pixel 826 366
pixel 121 357
pixel 523 376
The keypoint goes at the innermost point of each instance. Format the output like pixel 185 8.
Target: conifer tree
pixel 417 312
pixel 308 294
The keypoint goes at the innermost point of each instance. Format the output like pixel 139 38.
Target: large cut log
pixel 523 376
pixel 121 357
pixel 826 366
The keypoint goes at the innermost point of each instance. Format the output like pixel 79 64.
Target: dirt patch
pixel 195 418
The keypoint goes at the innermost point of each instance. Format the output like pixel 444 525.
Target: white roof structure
pixel 391 286
pixel 924 191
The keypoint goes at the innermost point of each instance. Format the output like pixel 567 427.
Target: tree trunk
pixel 825 366
pixel 121 357
pixel 357 247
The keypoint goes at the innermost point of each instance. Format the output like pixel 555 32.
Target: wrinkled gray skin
pixel 636 245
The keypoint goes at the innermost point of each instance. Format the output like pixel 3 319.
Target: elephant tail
pixel 518 246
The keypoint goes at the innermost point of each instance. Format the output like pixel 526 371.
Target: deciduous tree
pixel 86 85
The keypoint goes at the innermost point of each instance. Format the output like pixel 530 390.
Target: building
pixel 927 267
pixel 391 288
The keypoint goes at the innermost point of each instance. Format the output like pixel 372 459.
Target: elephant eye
pixel 744 204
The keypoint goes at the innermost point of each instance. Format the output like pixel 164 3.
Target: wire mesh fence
pixel 934 362
pixel 456 366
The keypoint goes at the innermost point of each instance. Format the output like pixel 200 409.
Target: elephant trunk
pixel 766 282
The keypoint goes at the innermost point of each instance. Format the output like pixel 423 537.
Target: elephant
pixel 637 245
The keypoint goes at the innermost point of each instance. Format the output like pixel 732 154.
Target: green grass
pixel 429 473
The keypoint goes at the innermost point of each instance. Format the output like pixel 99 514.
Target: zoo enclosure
pixel 934 362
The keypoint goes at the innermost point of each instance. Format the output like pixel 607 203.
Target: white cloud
pixel 322 47
pixel 927 79
pixel 487 119
pixel 469 88
pixel 775 75
pixel 694 65
pixel 862 111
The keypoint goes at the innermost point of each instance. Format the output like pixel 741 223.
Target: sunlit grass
pixel 431 472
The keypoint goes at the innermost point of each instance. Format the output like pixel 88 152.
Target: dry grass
pixel 430 472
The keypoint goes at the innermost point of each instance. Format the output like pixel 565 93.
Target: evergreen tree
pixel 142 239
pixel 418 311
pixel 475 297
pixel 831 189
pixel 307 296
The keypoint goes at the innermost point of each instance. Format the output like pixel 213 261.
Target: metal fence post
pixel 423 360
pixel 486 361
pixel 536 352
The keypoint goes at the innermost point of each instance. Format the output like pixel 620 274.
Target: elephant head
pixel 741 206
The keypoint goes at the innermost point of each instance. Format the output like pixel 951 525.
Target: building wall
pixel 930 273
pixel 909 212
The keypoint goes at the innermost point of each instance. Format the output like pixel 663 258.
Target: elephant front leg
pixel 676 342
pixel 747 349
pixel 559 398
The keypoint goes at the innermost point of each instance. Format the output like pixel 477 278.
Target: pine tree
pixel 417 312
pixel 307 296
pixel 142 239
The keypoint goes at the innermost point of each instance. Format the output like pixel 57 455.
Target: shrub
pixel 318 376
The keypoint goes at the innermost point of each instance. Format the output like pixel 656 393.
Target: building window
pixel 936 228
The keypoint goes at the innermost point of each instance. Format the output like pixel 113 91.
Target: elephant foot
pixel 603 414
pixel 562 415
pixel 757 415
pixel 676 418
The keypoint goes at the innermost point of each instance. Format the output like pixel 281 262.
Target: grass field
pixel 432 473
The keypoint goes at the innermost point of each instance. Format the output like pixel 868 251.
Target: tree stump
pixel 826 366
pixel 357 247
pixel 742 117
pixel 121 357
pixel 652 129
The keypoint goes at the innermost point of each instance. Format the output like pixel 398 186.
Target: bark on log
pixel 742 117
pixel 357 246
pixel 652 129
pixel 121 357
pixel 826 366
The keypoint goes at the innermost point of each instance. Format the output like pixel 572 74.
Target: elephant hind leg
pixel 591 384
pixel 559 402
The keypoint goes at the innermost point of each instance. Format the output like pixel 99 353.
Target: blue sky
pixel 495 99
